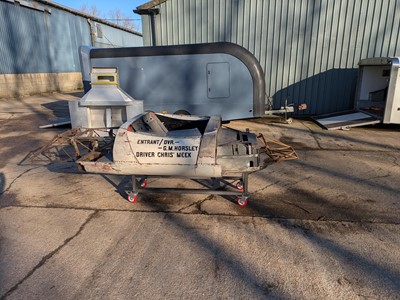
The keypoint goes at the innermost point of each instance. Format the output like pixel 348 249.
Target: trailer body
pixel 201 79
pixel 377 98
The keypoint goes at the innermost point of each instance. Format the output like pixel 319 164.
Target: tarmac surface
pixel 323 226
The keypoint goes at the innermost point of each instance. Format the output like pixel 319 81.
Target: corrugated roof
pixel 79 13
pixel 151 4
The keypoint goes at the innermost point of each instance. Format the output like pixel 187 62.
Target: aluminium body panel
pixel 164 150
pixel 144 146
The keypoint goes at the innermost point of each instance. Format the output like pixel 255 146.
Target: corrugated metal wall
pixel 34 41
pixel 114 37
pixel 309 49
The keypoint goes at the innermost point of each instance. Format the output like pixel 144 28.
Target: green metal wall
pixel 309 49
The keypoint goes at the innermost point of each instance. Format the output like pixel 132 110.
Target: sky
pixel 105 6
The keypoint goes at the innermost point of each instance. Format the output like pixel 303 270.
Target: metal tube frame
pixel 215 190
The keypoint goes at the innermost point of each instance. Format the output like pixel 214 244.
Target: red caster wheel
pixel 239 186
pixel 242 200
pixel 143 185
pixel 132 198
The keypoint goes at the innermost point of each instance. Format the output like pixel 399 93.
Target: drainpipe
pixel 91 32
pixel 152 12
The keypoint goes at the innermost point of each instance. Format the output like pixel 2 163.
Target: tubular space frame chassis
pixel 139 185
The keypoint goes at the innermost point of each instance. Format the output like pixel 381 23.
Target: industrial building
pixel 39 43
pixel 309 49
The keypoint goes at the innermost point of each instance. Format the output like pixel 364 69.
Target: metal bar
pixel 134 184
pixel 214 190
pixel 190 191
pixel 279 111
pixel 245 181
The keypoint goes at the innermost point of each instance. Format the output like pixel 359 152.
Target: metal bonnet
pixel 105 105
pixel 105 90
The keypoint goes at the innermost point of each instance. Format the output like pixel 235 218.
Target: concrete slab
pixel 65 187
pixel 307 135
pixel 29 236
pixel 333 185
pixel 323 226
pixel 157 256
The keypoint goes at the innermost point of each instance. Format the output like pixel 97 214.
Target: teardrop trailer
pixel 222 78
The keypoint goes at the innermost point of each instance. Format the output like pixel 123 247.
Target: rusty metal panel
pixel 309 49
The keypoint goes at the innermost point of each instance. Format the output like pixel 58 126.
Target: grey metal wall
pixel 309 49
pixel 34 41
pixel 114 37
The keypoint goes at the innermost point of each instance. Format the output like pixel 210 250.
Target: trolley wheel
pixel 242 200
pixel 132 198
pixel 289 121
pixel 143 185
pixel 240 186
